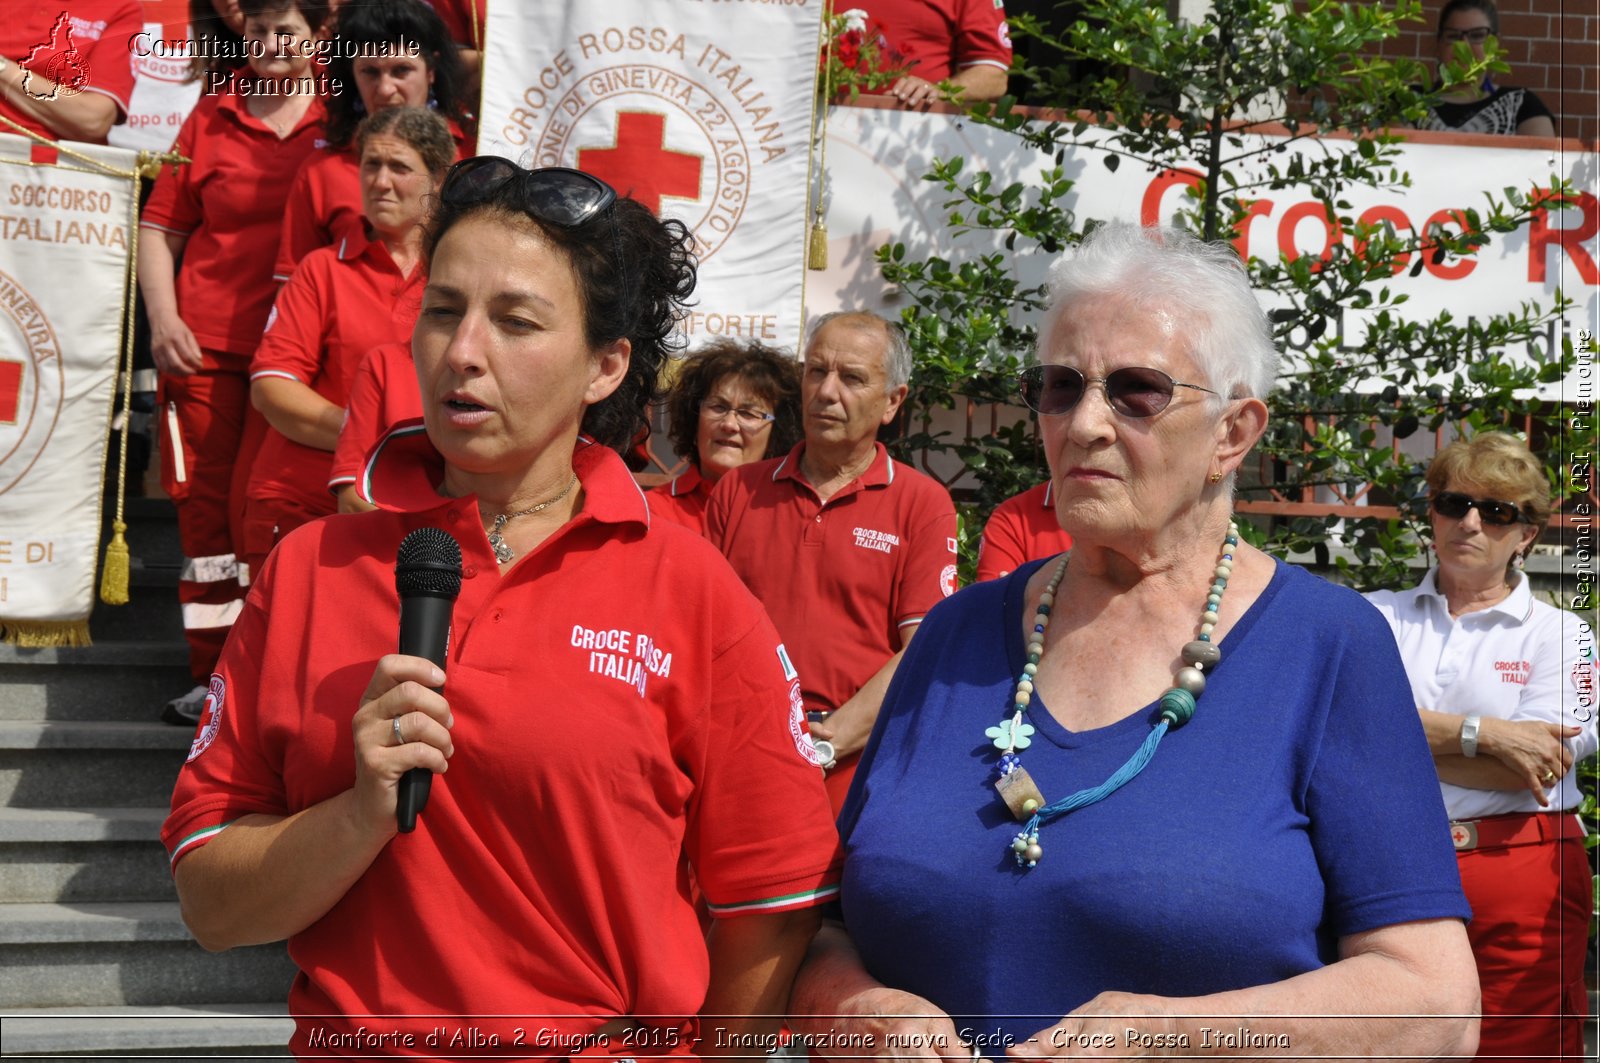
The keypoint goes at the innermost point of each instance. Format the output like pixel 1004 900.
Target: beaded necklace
pixel 1017 788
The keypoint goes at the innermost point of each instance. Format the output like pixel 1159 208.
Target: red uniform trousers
pixel 1530 930
pixel 209 434
pixel 269 519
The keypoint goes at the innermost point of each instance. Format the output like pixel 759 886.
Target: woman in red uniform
pixel 220 215
pixel 732 403
pixel 614 705
pixel 404 58
pixel 341 302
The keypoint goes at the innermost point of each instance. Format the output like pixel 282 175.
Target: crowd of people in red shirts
pixel 286 250
pixel 283 271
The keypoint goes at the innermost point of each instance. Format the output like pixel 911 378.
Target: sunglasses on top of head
pixel 1455 505
pixel 1132 391
pixel 554 194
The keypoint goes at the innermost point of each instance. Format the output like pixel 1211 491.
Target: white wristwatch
pixel 1469 735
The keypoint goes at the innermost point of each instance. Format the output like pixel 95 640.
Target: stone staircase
pixel 94 959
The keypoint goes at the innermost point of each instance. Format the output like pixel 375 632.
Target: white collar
pixel 1516 606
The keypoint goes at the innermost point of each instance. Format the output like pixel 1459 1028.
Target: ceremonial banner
pixel 876 159
pixel 699 110
pixel 64 240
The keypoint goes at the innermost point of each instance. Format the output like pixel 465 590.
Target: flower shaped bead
pixel 1006 738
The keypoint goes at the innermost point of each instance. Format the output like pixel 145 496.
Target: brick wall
pixel 1553 48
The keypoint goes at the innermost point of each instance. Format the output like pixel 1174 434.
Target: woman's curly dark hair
pixel 419 127
pixel 392 24
pixel 221 48
pixel 772 374
pixel 635 275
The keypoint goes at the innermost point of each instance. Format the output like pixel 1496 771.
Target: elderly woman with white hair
pixel 1148 762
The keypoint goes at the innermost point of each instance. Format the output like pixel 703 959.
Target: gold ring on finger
pixel 399 739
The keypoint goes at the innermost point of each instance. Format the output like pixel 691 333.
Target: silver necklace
pixel 502 552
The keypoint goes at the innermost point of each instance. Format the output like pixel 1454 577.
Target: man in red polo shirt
pixel 1022 528
pixel 846 547
pixel 66 69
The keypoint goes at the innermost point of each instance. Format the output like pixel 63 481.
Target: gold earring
pixel 1216 477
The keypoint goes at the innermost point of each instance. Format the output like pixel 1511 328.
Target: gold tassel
pixel 114 574
pixel 817 244
pixel 43 634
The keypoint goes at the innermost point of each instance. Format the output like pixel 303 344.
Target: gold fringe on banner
pixel 42 634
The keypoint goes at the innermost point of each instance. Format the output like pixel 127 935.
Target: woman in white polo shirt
pixel 1505 687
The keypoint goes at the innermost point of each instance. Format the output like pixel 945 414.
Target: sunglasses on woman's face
pixel 1490 510
pixel 555 194
pixel 1132 391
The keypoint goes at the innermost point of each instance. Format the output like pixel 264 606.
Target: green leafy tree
pixel 1192 98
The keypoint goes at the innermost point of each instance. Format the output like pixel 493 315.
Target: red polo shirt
pixel 459 17
pixel 88 52
pixel 622 709
pixel 937 38
pixel 1022 528
pixel 341 303
pixel 842 579
pixel 383 393
pixel 683 499
pixel 229 203
pixel 324 204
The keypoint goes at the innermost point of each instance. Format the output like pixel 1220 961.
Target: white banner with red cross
pixel 64 248
pixel 701 111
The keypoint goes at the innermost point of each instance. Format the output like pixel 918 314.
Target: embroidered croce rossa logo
pixel 61 61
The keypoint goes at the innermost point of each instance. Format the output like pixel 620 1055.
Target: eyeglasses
pixel 751 420
pixel 1476 35
pixel 555 194
pixel 1491 510
pixel 1132 391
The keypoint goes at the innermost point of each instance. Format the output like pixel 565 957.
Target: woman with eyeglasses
pixel 733 403
pixel 614 708
pixel 1504 684
pixel 1133 786
pixel 1484 107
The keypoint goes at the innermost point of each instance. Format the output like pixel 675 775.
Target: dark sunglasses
pixel 555 194
pixel 1132 391
pixel 1490 510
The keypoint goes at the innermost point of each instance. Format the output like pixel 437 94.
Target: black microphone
pixel 427 573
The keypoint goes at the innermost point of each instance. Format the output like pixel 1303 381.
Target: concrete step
pixel 114 679
pixel 151 613
pixel 232 1030
pixel 89 764
pixel 152 529
pixel 126 953
pixel 73 855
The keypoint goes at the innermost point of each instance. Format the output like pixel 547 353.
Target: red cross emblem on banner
pixel 10 391
pixel 641 165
